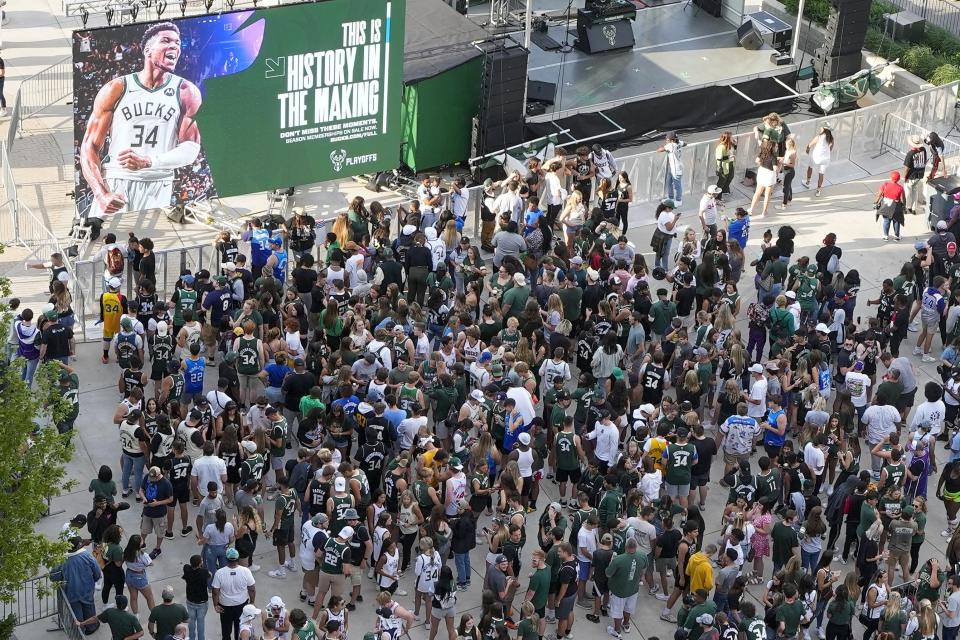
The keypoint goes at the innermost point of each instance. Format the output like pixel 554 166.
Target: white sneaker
pixel 946 533
pixel 805 183
pixel 822 634
pixel 679 204
pixel 279 573
pixel 370 573
pixel 662 596
pixel 917 351
pixel 626 629
pixel 254 568
pixel 612 632
pixel 927 358
pixel 290 565
pixel 399 592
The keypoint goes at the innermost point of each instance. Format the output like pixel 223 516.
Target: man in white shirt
pixel 524 404
pixel 881 420
pixel 208 468
pixel 234 587
pixel 708 211
pixel 857 384
pixel 756 399
pixel 793 306
pixel 586 545
pixel 608 442
pixel 459 200
pixel 673 180
pixel 509 202
pixel 736 437
pixel 409 428
pixel 816 460
pixel 932 412
pixel 218 397
pixel 429 196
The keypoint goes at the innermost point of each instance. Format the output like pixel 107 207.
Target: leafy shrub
pixel 921 60
pixel 882 44
pixel 6 626
pixel 941 41
pixel 816 10
pixel 945 74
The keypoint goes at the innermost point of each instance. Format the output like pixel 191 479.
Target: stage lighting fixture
pixel 230 3
pixel 84 15
pixel 183 8
pixel 161 6
pixel 134 10
pixel 208 4
pixel 109 14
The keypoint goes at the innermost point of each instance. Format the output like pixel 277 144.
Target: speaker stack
pixel 499 121
pixel 840 55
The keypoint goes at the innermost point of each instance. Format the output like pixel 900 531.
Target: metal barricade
pixel 46 87
pixel 66 619
pixel 35 599
pixel 857 134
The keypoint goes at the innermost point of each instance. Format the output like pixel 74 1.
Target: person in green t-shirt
pixel 103 484
pixel 277 437
pixel 789 613
pixel 123 624
pixel 538 591
pixel 531 626
pixel 753 628
pixel 623 579
pixel 784 539
pixel 868 512
pixel 165 617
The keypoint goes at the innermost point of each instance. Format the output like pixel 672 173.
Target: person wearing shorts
pixel 334 566
pixel 567 593
pixel 932 306
pixel 156 493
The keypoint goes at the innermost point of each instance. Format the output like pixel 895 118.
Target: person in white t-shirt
pixel 708 211
pixel 756 398
pixel 858 383
pixel 932 412
pixel 815 458
pixel 673 179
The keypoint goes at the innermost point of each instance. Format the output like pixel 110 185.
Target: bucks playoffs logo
pixel 338 157
pixel 610 33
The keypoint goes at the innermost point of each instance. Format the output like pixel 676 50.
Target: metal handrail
pixel 34 600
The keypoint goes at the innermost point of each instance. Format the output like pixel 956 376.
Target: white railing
pixel 857 134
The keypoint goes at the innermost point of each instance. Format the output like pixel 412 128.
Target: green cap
pixel 667 202
pixel 812 269
pixel 230 356
pixel 617 373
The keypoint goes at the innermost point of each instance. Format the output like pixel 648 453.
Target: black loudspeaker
pixel 713 7
pixel 830 68
pixel 748 36
pixel 605 36
pixel 539 91
pixel 499 121
pixel 847 27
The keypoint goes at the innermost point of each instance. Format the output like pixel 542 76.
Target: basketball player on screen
pixel 148 118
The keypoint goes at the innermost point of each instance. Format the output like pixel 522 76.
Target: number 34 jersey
pixel 145 121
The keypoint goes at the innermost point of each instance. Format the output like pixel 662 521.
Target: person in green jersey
pixel 339 502
pixel 286 506
pixel 251 358
pixel 123 624
pixel 680 458
pixel 277 437
pixel 335 568
pixel 171 389
pixel 623 579
pixel 610 500
pixel 303 626
pixel 568 455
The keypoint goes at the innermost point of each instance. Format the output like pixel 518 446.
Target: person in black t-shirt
pixel 914 166
pixel 56 340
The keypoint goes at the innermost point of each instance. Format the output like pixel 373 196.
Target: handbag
pixel 767 283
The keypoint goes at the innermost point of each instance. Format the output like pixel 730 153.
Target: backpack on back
pixel 115 261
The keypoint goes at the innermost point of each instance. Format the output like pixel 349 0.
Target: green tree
pixel 33 456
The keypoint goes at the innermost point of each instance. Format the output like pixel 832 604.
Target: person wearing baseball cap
pixel 756 397
pixel 335 567
pixel 234 590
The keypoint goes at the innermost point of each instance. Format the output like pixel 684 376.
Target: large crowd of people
pixel 378 402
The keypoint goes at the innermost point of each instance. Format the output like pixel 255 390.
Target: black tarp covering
pixel 696 109
pixel 436 38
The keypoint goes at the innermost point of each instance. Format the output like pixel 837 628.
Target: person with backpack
pixel 127 344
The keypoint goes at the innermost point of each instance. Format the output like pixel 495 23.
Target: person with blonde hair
pixel 573 217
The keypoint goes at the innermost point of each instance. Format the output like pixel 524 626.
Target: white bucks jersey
pixel 146 121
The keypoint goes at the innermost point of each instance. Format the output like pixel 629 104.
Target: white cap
pixel 346 533
pixel 430 233
pixel 524 438
pixel 714 189
pixel 162 328
pixel 822 328
pixel 756 368
pixel 408 230
pixel 791 294
pixel 249 612
pixel 276 601
pixel 644 409
pixel 249 445
pixel 477 395
pixel 114 282
pixel 229 266
pixel 519 279
pixel 340 484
